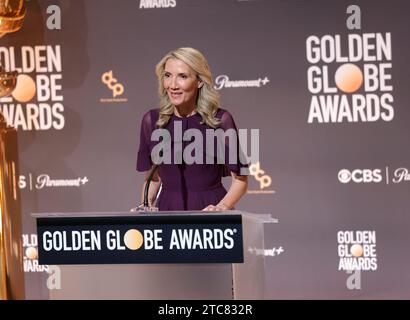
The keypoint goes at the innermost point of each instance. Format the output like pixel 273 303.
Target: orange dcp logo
pixel 260 176
pixel 108 79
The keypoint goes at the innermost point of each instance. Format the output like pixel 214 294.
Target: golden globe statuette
pixel 11 250
pixel 12 13
pixel 8 81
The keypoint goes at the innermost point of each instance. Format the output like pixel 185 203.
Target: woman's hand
pixel 218 207
pixel 236 191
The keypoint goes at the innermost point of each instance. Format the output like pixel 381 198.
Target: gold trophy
pixel 11 250
pixel 11 15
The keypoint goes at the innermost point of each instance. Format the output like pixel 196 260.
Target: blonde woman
pixel 188 101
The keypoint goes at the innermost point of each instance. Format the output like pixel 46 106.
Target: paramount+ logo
pixel 360 176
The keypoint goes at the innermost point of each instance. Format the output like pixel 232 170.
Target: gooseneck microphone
pixel 151 174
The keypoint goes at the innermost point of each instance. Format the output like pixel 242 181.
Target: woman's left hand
pixel 218 207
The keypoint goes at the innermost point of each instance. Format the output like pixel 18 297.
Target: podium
pixel 163 255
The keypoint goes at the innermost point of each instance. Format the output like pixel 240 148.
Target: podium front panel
pixel 145 281
pixel 179 281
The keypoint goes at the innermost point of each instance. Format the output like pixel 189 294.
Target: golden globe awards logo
pixel 134 239
pixel 140 239
pixel 357 250
pixel 350 78
pixel 30 254
pixel 156 4
pixel 36 101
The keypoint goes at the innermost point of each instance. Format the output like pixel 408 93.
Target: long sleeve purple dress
pixel 187 186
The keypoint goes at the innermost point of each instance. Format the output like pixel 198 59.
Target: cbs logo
pixel 360 175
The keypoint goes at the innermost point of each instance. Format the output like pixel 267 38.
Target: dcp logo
pixel 360 175
pixel 112 83
pixel 259 174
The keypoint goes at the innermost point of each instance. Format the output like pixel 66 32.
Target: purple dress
pixel 186 186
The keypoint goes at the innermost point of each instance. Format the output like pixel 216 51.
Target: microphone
pixel 151 174
pixel 157 160
pixel 145 205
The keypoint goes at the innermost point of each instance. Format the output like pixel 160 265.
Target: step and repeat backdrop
pixel 325 82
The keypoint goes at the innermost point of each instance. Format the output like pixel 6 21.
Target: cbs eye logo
pixel 360 175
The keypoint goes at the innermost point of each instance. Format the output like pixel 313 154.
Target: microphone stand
pixel 145 206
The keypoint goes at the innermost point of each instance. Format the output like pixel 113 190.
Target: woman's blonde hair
pixel 208 98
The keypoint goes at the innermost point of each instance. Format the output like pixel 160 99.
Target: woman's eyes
pixel 183 76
